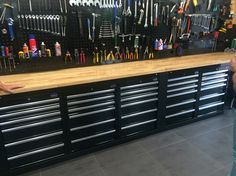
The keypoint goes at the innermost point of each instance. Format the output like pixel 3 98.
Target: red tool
pixel 82 57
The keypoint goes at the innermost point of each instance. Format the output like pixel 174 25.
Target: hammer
pixel 6 6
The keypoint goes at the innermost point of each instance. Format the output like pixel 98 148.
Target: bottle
pixel 156 44
pixel 7 51
pixel 26 51
pixel 3 51
pixel 33 45
pixel 43 49
pixel 58 49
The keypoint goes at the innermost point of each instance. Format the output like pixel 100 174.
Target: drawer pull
pixel 36 110
pixel 139 91
pixel 91 113
pixel 31 125
pixel 138 124
pixel 139 102
pixel 137 97
pixel 182 83
pixel 90 93
pixel 94 136
pixel 214 72
pixel 214 82
pixel 92 125
pixel 33 139
pixel 182 88
pixel 211 105
pixel 90 100
pixel 182 103
pixel 211 96
pixel 71 110
pixel 139 113
pixel 214 77
pixel 29 104
pixel 35 152
pixel 30 118
pixel 181 78
pixel 180 113
pixel 139 85
pixel 183 93
pixel 213 87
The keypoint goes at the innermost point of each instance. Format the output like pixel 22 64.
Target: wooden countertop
pixel 77 76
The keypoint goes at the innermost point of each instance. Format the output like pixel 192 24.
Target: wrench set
pixel 98 3
pixel 53 24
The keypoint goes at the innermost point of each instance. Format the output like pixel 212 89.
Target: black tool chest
pixel 49 126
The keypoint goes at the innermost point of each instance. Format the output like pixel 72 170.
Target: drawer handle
pixel 214 72
pixel 71 103
pixel 94 136
pixel 182 103
pixel 211 96
pixel 92 125
pixel 29 104
pixel 182 88
pixel 184 77
pixel 214 77
pixel 211 105
pixel 31 125
pixel 137 97
pixel 139 91
pixel 139 85
pixel 179 113
pixel 90 93
pixel 35 152
pixel 138 124
pixel 139 102
pixel 34 139
pixel 214 82
pixel 71 110
pixel 30 118
pixel 182 83
pixel 41 109
pixel 213 87
pixel 91 113
pixel 139 113
pixel 180 94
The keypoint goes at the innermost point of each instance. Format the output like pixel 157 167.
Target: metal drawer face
pixel 211 108
pixel 27 145
pixel 214 77
pixel 211 98
pixel 138 117
pixel 35 156
pixel 92 129
pixel 93 118
pixel 214 81
pixel 184 105
pixel 215 72
pixel 138 128
pixel 184 116
pixel 93 141
pixel 212 90
pixel 178 98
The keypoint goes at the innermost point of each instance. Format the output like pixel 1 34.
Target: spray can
pixel 33 45
pixel 7 51
pixel 58 49
pixel 26 51
pixel 43 49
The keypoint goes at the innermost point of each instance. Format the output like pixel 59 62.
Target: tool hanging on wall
pixel 94 25
pixel 129 12
pixel 141 16
pixel 146 18
pixel 151 16
pixel 6 6
pixel 106 30
pixel 156 6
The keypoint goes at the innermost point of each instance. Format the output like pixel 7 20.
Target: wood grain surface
pixel 77 76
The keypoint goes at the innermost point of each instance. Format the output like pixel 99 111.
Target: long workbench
pixel 67 113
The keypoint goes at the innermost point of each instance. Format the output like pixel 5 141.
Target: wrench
pixel 55 24
pixel 18 4
pixel 19 19
pixel 128 12
pixel 30 22
pixel 30 6
pixel 156 14
pixel 41 22
pixel 34 22
pixel 51 24
pixel 89 29
pixel 124 10
pixel 135 8
pixel 120 4
pixel 65 3
pixel 27 22
pixel 146 18
pixel 141 16
pixel 58 24
pixel 60 3
pixel 151 18
pixel 46 27
pixel 37 22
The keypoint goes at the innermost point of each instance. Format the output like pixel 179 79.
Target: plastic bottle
pixel 33 45
pixel 26 51
pixel 43 49
pixel 58 49
pixel 156 44
pixel 7 51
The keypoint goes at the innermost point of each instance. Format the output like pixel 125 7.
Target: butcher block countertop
pixel 77 76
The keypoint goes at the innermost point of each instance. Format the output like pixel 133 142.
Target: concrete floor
pixel 200 149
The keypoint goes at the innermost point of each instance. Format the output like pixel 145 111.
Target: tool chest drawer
pixel 182 105
pixel 213 107
pixel 211 98
pixel 139 106
pixel 32 129
pixel 180 116
pixel 91 116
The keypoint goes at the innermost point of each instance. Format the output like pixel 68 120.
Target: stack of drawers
pixel 92 118
pixel 213 87
pixel 182 89
pixel 32 131
pixel 139 107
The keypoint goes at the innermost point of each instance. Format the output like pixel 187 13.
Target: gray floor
pixel 200 149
